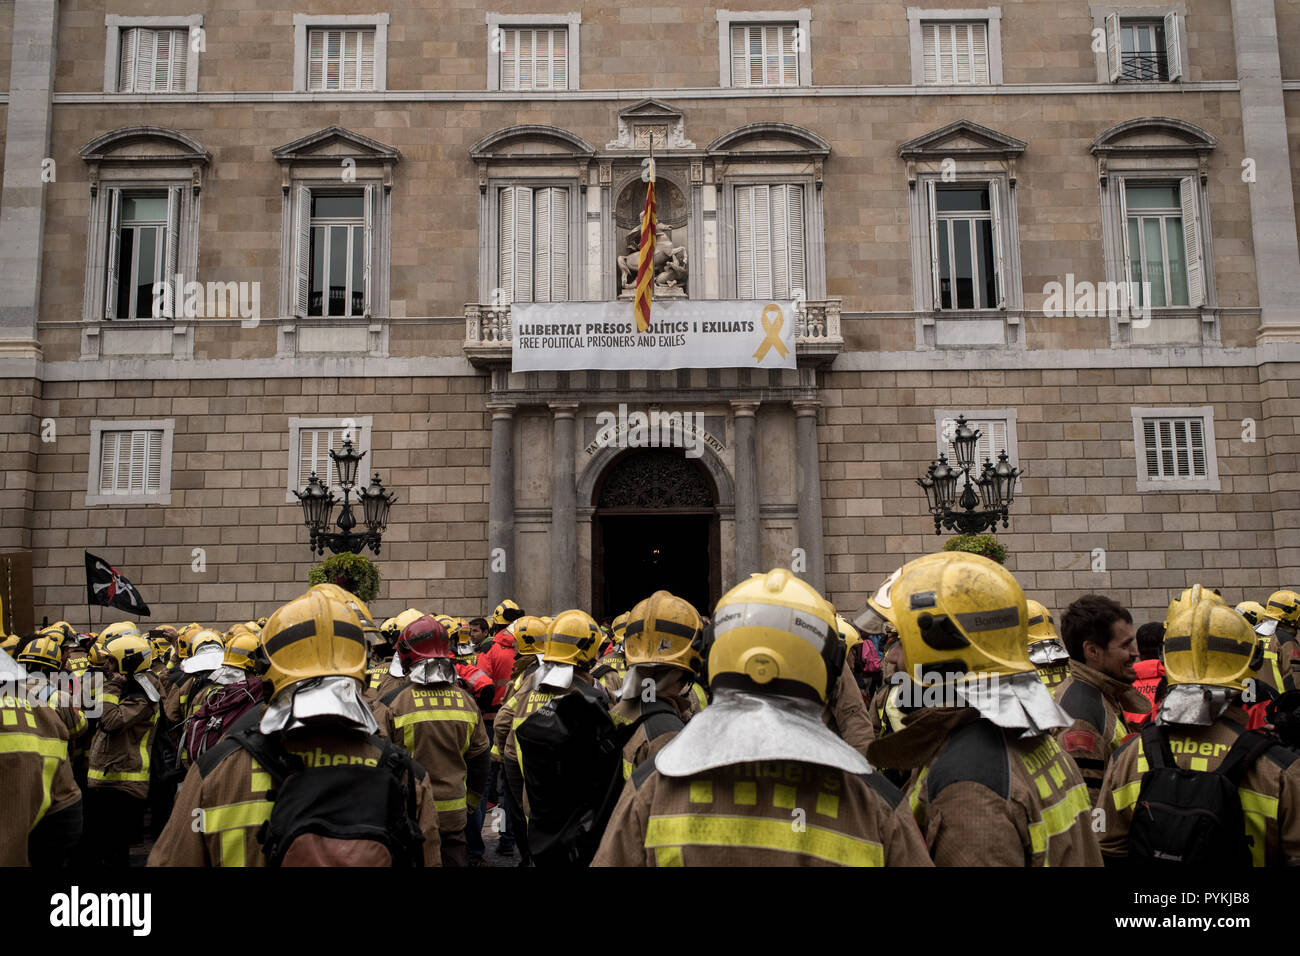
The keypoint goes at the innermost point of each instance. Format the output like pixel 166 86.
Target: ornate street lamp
pixel 318 504
pixel 996 485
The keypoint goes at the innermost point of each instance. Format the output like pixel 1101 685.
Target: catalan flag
pixel 645 263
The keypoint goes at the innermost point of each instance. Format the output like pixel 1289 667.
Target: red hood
pixel 1150 670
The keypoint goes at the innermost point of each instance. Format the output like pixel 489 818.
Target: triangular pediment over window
pixel 335 143
pixel 963 138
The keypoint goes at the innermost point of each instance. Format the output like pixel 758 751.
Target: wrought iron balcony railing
pixel 1144 67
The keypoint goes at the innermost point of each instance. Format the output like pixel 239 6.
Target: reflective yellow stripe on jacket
pixel 1059 817
pixel 667 835
pixel 52 752
pixel 406 722
pixel 231 821
pixel 133 776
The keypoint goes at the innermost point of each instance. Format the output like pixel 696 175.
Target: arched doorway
pixel 655 526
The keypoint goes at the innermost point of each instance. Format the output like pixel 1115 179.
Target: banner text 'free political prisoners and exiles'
pixel 568 336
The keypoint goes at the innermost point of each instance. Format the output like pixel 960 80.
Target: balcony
pixel 817 332
pixel 1143 67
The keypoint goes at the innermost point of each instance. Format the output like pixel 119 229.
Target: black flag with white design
pixel 106 587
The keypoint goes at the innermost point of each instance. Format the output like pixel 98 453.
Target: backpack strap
pixel 1155 747
pixel 1248 748
pixel 660 719
pixel 270 753
pixel 392 694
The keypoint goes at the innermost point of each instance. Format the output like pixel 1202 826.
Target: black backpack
pixel 1192 816
pixel 573 773
pixel 347 815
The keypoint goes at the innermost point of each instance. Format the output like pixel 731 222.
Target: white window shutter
pixel 523 290
pixel 527 54
pixel 934 244
pixel 107 461
pixel 771 56
pixel 755 65
pixel 962 53
pixel 302 251
pixel 506 243
pixel 559 226
pixel 162 63
pixel 762 242
pixel 778 217
pixel 930 55
pixel 1173 49
pixel 739 47
pixel 139 451
pixel 510 60
pixel 114 252
pixel 153 473
pixel 1125 275
pixel 560 59
pixel 745 242
pixel 979 53
pixel 542 247
pixel 999 258
pixel 171 289
pixel 1196 426
pixel 126 60
pixel 372 197
pixel 144 61
pixel 307 456
pixel 789 56
pixel 367 81
pixel 1152 447
pixel 798 257
pixel 180 60
pixel 998 441
pixel 1192 242
pixel 316 60
pixel 1114 52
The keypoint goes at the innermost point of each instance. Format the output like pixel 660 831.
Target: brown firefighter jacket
pixel 37 774
pixel 760 813
pixel 677 702
pixel 1097 703
pixel 119 753
pixel 985 797
pixel 441 727
pixel 227 796
pixel 521 681
pixel 1269 791
pixel 847 715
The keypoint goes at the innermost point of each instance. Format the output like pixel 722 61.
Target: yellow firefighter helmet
pixel 1209 643
pixel 664 629
pixel 313 636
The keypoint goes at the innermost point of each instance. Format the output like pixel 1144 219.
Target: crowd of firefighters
pixel 951 722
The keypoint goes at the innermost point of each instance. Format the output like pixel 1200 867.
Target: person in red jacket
pixel 497 660
pixel 1150 669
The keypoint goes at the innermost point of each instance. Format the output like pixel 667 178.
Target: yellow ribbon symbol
pixel 772 333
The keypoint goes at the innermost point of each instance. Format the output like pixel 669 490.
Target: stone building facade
pixel 941 171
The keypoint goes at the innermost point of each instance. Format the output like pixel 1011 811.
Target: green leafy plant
pixel 982 544
pixel 352 572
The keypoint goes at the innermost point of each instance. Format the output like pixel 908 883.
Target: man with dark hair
pixel 1098 633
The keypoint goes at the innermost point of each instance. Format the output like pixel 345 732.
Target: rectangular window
pixel 764 55
pixel 338 242
pixel 130 462
pixel 152 61
pixel 340 60
pixel 966 246
pixel 770 241
pixel 534 58
pixel 310 442
pixel 956 53
pixel 143 243
pixel 1175 449
pixel 1157 244
pixel 1143 50
pixel 533 236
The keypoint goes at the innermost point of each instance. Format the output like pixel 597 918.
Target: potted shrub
pixel 352 572
pixel 982 544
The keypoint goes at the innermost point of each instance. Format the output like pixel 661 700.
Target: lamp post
pixel 996 486
pixel 318 502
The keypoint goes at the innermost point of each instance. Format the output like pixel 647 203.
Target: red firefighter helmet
pixel 424 639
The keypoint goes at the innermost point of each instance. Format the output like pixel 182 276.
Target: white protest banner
pixel 567 336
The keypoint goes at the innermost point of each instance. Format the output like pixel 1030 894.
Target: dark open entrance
pixel 655 527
